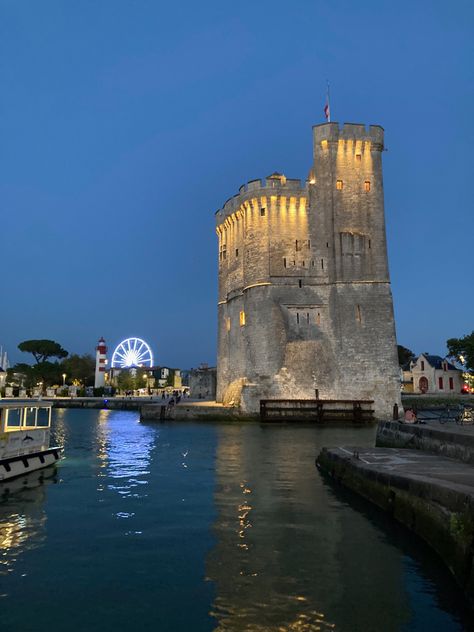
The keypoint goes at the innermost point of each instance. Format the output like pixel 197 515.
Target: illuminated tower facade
pixel 100 363
pixel 305 304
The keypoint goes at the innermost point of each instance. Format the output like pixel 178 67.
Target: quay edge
pixel 431 495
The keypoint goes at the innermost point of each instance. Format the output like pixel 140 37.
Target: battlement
pixel 333 132
pixel 277 183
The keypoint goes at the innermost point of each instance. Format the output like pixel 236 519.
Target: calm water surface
pixel 200 527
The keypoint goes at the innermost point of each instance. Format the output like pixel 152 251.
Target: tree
pixel 462 350
pixel 81 368
pixel 404 355
pixel 43 349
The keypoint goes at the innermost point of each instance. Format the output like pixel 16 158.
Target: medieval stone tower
pixel 305 305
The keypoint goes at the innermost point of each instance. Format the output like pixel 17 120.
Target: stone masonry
pixel 304 303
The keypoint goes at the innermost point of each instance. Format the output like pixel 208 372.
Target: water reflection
pixel 124 451
pixel 22 515
pixel 292 555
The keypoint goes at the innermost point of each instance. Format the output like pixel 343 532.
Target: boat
pixel 25 429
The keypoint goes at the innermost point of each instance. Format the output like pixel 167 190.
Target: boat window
pixel 14 418
pixel 30 417
pixel 43 417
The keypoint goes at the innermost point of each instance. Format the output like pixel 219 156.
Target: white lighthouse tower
pixel 100 363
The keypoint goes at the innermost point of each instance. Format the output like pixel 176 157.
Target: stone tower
pixel 304 292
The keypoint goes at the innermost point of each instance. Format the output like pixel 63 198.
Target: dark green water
pixel 200 527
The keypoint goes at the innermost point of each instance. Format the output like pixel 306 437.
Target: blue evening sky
pixel 125 124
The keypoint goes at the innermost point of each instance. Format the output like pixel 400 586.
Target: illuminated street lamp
pixel 64 379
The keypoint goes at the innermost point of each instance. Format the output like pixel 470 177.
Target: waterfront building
pixel 202 382
pixel 305 306
pixel 434 374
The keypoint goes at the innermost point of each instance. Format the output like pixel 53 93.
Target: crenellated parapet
pixel 349 132
pixel 257 193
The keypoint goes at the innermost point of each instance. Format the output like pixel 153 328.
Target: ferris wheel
pixel 132 352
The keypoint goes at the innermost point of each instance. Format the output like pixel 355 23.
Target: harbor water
pixel 199 527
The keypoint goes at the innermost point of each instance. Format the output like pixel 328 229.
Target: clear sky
pixel 125 124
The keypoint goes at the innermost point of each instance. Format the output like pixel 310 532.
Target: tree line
pixel 78 369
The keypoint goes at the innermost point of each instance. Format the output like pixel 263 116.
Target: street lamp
pixel 64 379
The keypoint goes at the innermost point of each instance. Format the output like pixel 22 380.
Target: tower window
pixel 318 318
pixel 242 319
pixel 300 283
pixel 312 263
pixel 327 244
pixel 262 211
pixel 339 185
pixel 307 317
pixel 369 243
pixel 309 244
pixel 296 244
pixel 236 252
pixel 422 365
pixel 322 264
pixel 297 318
pixel 303 263
pixel 367 185
pixel 284 262
pixel 358 157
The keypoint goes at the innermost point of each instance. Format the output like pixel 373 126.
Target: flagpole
pixel 329 106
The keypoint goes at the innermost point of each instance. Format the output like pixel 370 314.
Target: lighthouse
pixel 100 363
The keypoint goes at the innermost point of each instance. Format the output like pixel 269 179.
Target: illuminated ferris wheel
pixel 132 352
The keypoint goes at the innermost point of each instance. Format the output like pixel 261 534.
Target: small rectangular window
pixel 307 317
pixel 296 245
pixel 13 417
pixel 236 252
pixel 312 263
pixel 297 317
pixel 369 243
pixel 339 185
pixel 309 244
pixel 358 314
pixel 318 318
pixel 451 384
pixel 327 244
pixel 367 185
pixel 322 264
pixel 242 319
pixel 300 283
pixel 440 383
pixel 262 211
pixel 284 262
pixel 303 264
pixel 358 157
pixel 422 365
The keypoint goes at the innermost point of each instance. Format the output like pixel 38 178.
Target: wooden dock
pixel 316 410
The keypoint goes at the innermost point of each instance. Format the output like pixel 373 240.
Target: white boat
pixel 25 429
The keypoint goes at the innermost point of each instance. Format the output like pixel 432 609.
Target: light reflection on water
pixel 201 527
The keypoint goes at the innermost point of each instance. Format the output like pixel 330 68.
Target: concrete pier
pixel 432 495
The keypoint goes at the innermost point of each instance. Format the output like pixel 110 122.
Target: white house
pixel 434 374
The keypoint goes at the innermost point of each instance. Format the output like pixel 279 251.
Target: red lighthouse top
pixel 101 348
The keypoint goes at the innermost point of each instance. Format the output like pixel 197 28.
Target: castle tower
pixel 100 363
pixel 304 293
